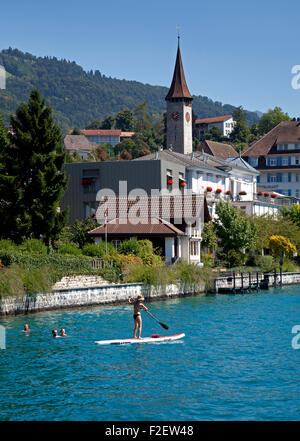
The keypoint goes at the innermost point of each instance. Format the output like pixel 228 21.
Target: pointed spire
pixel 178 87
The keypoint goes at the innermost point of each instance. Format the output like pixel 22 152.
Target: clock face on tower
pixel 175 116
pixel 187 116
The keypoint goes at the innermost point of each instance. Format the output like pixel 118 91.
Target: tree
pixel 80 229
pixel 125 120
pixel 281 245
pixel 270 119
pixel 143 120
pixel 125 155
pixel 102 154
pixel 241 132
pixel 34 159
pixel 214 134
pixel 292 213
pixel 268 225
pixel 209 237
pixel 234 230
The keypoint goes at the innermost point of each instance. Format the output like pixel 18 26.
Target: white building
pixel 225 123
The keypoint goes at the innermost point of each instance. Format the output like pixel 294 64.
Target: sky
pixel 236 52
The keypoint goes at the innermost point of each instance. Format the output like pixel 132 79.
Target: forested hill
pixel 78 97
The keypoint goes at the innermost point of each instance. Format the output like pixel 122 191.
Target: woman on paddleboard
pixel 137 305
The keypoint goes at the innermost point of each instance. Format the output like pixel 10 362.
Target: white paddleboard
pixel 152 339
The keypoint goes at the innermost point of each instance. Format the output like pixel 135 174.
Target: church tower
pixel 179 111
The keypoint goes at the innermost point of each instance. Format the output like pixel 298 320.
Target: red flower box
pixel 182 184
pixel 273 195
pixel 228 192
pixel 170 182
pixel 208 189
pixel 259 193
pixel 266 194
pixel 218 190
pixel 242 193
pixel 86 181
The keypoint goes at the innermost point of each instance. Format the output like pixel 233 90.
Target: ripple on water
pixel 235 363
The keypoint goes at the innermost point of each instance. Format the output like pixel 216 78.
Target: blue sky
pixel 235 52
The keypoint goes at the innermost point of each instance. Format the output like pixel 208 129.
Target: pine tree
pixel 34 160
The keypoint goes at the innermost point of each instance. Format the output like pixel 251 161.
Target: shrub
pixel 93 250
pixel 148 255
pixel 36 281
pixel 265 263
pixel 11 281
pixel 130 246
pixel 33 246
pixel 70 249
pixel 7 245
pixel 148 275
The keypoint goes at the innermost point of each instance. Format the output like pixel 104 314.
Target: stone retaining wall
pixel 97 295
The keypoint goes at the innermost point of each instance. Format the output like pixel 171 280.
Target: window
pixel 89 210
pixel 285 161
pixel 297 192
pixel 272 161
pixel 297 176
pixel 116 243
pixel 297 160
pixel 253 161
pixel 169 180
pixel 194 251
pixel 181 182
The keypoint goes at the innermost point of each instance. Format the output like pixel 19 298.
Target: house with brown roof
pixel 277 157
pixel 79 144
pixel 225 123
pixel 171 222
pixel 108 136
pixel 218 149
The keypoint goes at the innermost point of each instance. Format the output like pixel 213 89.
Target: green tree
pixel 125 120
pixel 209 237
pixel 270 119
pixel 234 230
pixel 35 160
pixel 214 134
pixel 143 119
pixel 241 132
pixel 292 213
pixel 79 231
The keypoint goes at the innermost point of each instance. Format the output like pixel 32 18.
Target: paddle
pixel 161 324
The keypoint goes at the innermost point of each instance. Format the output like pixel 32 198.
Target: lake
pixel 235 363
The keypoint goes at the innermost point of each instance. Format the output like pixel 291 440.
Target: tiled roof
pixel 166 207
pixel 153 227
pixel 287 132
pixel 78 142
pixel 180 158
pixel 218 149
pixel 112 132
pixel 214 119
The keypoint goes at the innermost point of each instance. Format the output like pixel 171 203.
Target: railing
pixel 101 263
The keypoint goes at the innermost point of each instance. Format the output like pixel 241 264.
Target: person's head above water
pixel 62 331
pixel 54 333
pixel 26 327
pixel 140 298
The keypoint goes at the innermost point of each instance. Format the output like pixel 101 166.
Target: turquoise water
pixel 235 363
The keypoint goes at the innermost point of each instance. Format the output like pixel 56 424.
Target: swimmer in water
pixel 26 328
pixel 137 305
pixel 63 333
pixel 54 333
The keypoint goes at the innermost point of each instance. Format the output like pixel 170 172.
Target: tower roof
pixel 178 87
